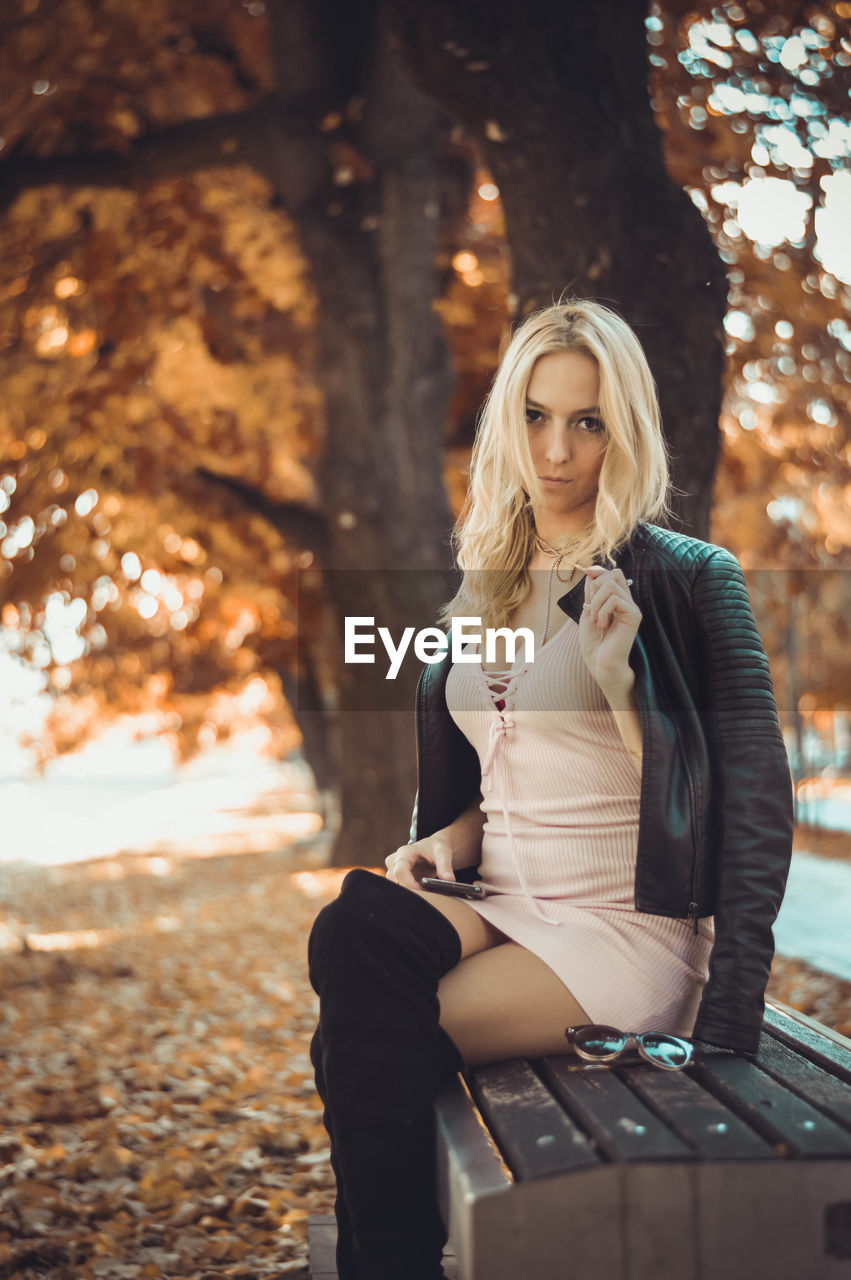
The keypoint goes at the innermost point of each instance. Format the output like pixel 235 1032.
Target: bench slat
pixel 621 1125
pixel 696 1115
pixel 824 1091
pixel 534 1135
pixel 771 1108
pixel 470 1149
pixel 827 1049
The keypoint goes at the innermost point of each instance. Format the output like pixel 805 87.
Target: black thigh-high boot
pixel 346 1267
pixel 376 955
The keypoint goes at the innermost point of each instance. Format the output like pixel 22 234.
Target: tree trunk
pixel 367 210
pixel 556 97
pixel 353 150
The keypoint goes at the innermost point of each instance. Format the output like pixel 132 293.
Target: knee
pixel 324 943
pixel 374 920
pixel 343 926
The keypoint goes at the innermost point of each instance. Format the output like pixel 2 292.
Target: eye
pixel 594 426
pixel 533 416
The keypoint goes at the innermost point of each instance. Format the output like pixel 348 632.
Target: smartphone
pixel 457 888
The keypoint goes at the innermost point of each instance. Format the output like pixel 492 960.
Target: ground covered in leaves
pixel 159 1112
pixel 159 1117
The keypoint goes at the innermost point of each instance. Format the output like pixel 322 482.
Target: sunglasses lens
pixel 666 1050
pixel 600 1041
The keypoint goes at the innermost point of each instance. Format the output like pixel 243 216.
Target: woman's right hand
pixel 430 856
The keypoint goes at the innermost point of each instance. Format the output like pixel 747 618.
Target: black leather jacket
pixel 716 813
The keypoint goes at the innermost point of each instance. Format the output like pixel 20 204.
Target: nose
pixel 557 445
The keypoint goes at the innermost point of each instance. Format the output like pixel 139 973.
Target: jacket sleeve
pixel 755 806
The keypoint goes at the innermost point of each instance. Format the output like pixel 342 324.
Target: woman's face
pixel 567 439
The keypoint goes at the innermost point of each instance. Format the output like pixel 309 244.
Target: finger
pixel 603 586
pixel 620 580
pixel 596 578
pixel 396 864
pixel 598 596
pixel 602 615
pixel 621 605
pixel 443 862
pixel 608 610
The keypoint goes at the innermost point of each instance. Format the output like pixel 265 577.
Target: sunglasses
pixel 601 1044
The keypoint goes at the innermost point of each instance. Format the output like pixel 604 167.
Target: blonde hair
pixel 495 535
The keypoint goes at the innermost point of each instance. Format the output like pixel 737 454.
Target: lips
pixel 554 479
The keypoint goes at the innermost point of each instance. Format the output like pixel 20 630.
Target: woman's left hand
pixel 608 625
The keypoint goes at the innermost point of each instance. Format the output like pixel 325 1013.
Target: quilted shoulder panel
pixel 674 550
pixel 741 679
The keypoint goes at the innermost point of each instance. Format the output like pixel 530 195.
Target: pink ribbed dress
pixel 561 799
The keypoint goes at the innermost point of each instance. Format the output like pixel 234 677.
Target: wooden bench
pixel 729 1170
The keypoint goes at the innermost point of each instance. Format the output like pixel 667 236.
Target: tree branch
pixel 302 525
pixel 245 137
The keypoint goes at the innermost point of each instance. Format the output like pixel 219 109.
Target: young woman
pixel 625 796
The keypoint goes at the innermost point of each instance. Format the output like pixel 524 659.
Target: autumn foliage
pixel 161 421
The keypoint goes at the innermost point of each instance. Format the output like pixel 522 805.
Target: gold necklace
pixel 558 554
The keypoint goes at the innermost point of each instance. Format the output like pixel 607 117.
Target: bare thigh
pixel 476 933
pixel 506 1002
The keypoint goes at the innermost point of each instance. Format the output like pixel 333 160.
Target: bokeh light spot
pixel 86 502
pixel 131 565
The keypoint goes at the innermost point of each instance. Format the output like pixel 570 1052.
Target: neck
pixel 557 530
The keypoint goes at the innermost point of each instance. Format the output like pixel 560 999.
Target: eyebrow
pixel 580 413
